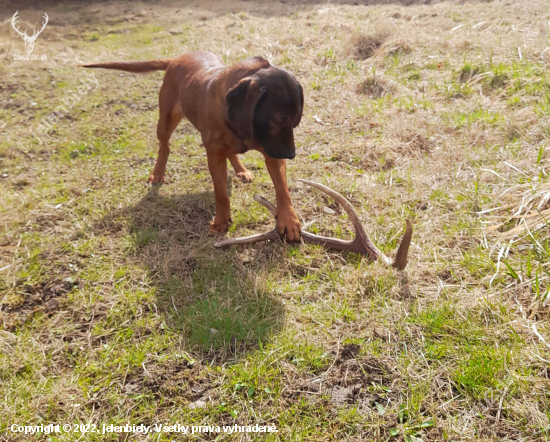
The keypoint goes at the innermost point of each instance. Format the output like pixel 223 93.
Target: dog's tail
pixel 132 66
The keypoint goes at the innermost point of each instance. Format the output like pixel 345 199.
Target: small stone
pixel 197 404
pixel 329 211
pixel 213 331
pixel 131 388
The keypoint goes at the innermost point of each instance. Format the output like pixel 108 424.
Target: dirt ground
pixel 115 307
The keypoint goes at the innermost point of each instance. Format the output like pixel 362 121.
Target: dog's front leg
pixel 287 221
pixel 217 163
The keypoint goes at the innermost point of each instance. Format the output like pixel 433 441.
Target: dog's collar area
pixel 244 149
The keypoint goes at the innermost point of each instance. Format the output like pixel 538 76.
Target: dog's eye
pixel 278 120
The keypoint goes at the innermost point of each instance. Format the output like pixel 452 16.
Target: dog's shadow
pixel 218 300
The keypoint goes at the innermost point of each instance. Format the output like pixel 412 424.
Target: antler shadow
pixel 360 244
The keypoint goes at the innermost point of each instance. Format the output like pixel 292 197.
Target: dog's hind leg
pixel 240 170
pixel 170 114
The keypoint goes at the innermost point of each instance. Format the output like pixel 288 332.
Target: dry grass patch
pixel 414 134
pixel 376 161
pixel 361 46
pixel 375 87
pixel 395 47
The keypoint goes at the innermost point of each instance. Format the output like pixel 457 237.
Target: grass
pixel 116 308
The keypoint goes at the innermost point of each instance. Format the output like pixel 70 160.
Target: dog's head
pixel 267 106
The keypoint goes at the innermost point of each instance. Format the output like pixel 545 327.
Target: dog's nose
pixel 290 155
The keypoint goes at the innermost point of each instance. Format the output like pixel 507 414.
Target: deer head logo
pixel 29 41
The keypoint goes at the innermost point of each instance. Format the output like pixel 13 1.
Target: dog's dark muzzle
pixel 286 154
pixel 281 146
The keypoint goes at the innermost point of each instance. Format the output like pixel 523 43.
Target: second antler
pixel 360 244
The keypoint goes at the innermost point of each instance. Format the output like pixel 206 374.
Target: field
pixel 116 308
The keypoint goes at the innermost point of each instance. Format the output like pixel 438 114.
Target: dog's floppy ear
pixel 241 102
pixel 299 116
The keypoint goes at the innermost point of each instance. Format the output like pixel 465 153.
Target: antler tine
pixel 360 244
pixel 400 261
pixel 266 236
pixel 13 20
pixel 267 204
pixel 43 23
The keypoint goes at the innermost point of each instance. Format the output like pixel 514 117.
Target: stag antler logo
pixel 29 41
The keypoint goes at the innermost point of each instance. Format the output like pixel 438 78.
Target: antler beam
pixel 360 244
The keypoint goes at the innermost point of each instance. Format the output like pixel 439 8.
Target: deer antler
pixel 24 34
pixel 43 26
pixel 360 244
pixel 13 20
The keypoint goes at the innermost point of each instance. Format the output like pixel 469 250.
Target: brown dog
pixel 250 105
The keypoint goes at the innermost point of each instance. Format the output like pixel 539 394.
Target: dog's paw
pixel 155 179
pixel 288 225
pixel 246 176
pixel 216 228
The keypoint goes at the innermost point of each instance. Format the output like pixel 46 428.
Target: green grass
pixel 481 371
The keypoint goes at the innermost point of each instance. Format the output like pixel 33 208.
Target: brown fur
pixel 250 105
